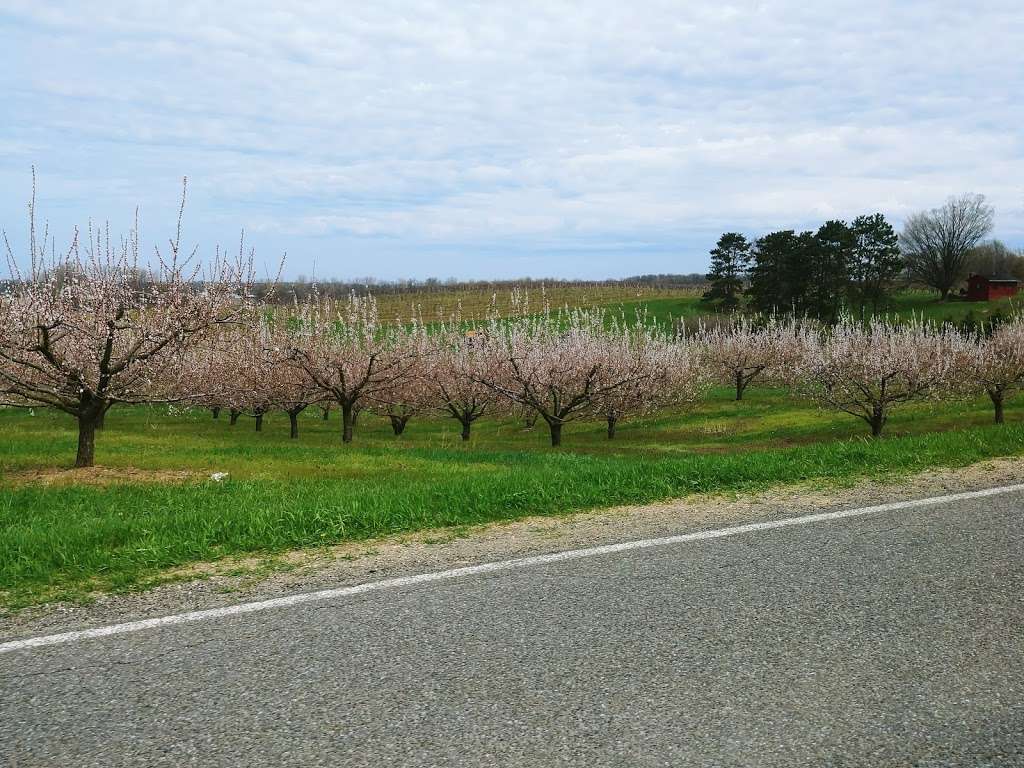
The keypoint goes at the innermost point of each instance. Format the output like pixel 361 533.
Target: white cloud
pixel 508 128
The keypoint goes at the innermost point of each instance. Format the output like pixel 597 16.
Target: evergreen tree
pixel 829 257
pixel 800 274
pixel 771 272
pixel 876 261
pixel 729 260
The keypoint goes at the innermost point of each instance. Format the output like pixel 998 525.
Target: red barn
pixel 983 288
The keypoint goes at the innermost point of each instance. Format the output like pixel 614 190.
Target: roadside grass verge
pixel 65 541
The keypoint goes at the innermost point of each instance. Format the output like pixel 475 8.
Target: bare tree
pixel 936 243
pixel 90 327
pixel 995 258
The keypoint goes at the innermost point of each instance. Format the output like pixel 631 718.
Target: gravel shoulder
pixel 211 585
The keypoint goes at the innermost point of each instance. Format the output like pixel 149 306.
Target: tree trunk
pixel 86 440
pixel 556 433
pixel 293 418
pixel 466 424
pixel 997 402
pixel 347 422
pixel 216 411
pixel 612 421
pixel 355 414
pixel 877 421
pixel 259 422
pixel 234 416
pixel 398 424
pixel 327 413
pixel 740 385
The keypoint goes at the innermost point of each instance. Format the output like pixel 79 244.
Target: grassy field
pixel 664 306
pixel 904 305
pixel 63 539
pixel 475 303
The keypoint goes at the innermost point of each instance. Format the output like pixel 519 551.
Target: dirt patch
pixel 225 582
pixel 98 476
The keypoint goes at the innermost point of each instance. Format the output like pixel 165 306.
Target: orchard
pixel 92 328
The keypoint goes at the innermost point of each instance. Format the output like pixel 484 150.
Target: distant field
pixel 662 305
pixel 475 303
pixel 61 538
pixel 903 305
pixel 926 305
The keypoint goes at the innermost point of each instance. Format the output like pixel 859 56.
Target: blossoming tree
pixel 93 326
pixel 996 365
pixel 743 352
pixel 348 355
pixel 555 364
pixel 868 370
pixel 458 368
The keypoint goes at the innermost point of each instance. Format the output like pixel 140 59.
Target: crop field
pixel 906 305
pixel 150 504
pixel 664 305
pixel 476 303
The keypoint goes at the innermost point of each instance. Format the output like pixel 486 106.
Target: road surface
pixel 892 638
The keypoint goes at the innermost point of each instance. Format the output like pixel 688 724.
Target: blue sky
pixel 418 139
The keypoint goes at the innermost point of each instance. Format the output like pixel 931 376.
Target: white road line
pixel 505 565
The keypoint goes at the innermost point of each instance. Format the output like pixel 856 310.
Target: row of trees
pixel 83 349
pixel 554 366
pixel 80 333
pixel 844 266
pixel 817 274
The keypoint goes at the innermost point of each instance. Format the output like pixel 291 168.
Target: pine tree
pixel 829 260
pixel 770 274
pixel 729 260
pixel 876 261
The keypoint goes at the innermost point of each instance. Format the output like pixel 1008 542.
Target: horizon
pixel 411 142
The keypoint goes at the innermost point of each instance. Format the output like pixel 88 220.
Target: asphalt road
pixel 891 639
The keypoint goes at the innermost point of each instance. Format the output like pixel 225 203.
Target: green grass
pixel 926 305
pixel 904 305
pixel 62 541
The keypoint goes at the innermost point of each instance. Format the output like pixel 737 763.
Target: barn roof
pixel 998 278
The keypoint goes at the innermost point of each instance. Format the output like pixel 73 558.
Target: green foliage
pixel 729 261
pixel 876 261
pixel 828 257
pixel 778 275
pixel 823 273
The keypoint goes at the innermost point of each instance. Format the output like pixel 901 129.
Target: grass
pixel 903 305
pixel 62 541
pixel 926 305
pixel 476 302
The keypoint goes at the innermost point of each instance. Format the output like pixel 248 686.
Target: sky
pixel 499 140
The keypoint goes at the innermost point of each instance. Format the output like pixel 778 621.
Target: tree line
pixel 851 267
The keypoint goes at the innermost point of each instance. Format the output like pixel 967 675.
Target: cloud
pixel 428 136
